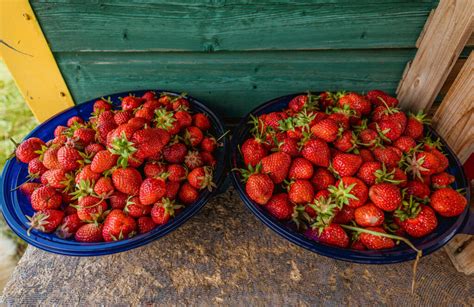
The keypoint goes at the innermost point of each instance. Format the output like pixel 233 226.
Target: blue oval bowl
pixel 446 229
pixel 15 205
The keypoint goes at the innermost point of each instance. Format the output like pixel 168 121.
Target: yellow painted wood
pixel 27 55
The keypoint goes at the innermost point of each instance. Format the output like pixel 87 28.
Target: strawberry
pixel 416 219
pixel 276 165
pixel 448 202
pixel 442 159
pixel 104 187
pixel 175 153
pixel 341 117
pixel 118 226
pixel 288 145
pixel 326 129
pixel 300 168
pixel 163 210
pixel 56 178
pixel 75 119
pixel 103 161
pixel 122 116
pixel 131 103
pixel 345 215
pixel 150 142
pixel 387 155
pixel 135 208
pixel 69 158
pixel 45 220
pixel 193 136
pixel 176 172
pixel 322 179
pixel 380 98
pixel 27 188
pixel 368 137
pixel 84 136
pixel 317 151
pixel 36 168
pixel 91 208
pixel 414 127
pixel 332 235
pixel 300 191
pixel 349 191
pixel 345 141
pixel 375 241
pixel 44 198
pixel 201 121
pixel 279 207
pixel 366 155
pixel 101 105
pixel 422 164
pixel 118 200
pixel 146 113
pixel 150 95
pixel 93 148
pixel 386 196
pixel 193 159
pixel 59 130
pixel 87 174
pixel 369 215
pixel 356 102
pixel 209 144
pixel 201 178
pixel 253 151
pixel 188 194
pixel 29 149
pixel 69 226
pixel 442 180
pixel 259 187
pixel 208 159
pixel 298 103
pixel 145 224
pixel 50 158
pixel 390 129
pixel 326 99
pixel 367 172
pixel 127 180
pixel 151 190
pixel 405 143
pixel 418 189
pixel 384 113
pixel 89 233
pixel 154 169
pixel 172 189
pixel 345 164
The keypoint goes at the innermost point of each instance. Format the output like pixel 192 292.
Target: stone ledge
pixel 225 255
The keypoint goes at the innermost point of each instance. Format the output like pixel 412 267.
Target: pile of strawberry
pixel 120 173
pixel 351 170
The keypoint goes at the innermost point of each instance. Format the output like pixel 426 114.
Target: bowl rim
pixel 345 254
pixel 72 248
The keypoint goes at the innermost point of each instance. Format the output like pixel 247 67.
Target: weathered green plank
pixel 232 82
pixel 230 25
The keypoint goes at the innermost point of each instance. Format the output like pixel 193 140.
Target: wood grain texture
pixel 232 82
pixel 454 118
pixel 444 38
pixel 461 252
pixel 230 25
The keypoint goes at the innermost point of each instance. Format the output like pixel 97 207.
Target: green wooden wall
pixel 232 54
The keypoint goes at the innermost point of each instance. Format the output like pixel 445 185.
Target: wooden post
pixel 441 42
pixel 30 61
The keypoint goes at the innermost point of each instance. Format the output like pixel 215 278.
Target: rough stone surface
pixel 226 256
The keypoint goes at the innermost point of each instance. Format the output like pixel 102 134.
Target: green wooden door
pixel 232 54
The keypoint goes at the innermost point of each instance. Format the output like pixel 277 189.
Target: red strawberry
pixel 414 127
pixel 331 235
pixel 122 116
pixel 180 103
pixel 317 151
pixel 175 153
pixel 368 137
pixel 298 103
pixel 349 191
pixel 146 113
pixel 69 158
pixel 127 180
pixel 369 215
pixel 276 165
pixel 145 224
pixel 93 148
pixel 84 136
pixel 176 172
pixel 69 226
pixel 45 220
pixel 135 208
pixel 29 149
pixel 366 155
pixel 380 98
pixel 288 145
pixel 193 136
pixel 70 210
pixel 89 233
pixel 422 164
pixel 183 118
pixel 201 178
pixel 383 113
pixel 150 95
pixel 367 172
pixel 346 164
pixel 75 119
pixel 326 129
pixel 346 141
pixel 172 189
pixel 163 210
pixel 253 151
pixel 418 189
pixel 405 143
pixel 259 187
pixel 102 105
pixel 322 179
pixel 442 180
pixel 341 118
pixel 90 208
pixel 443 160
pixel 50 158
pixel 301 191
pixel 151 190
pixel 86 174
pixel 118 200
pixel 386 196
pixel 279 207
pixel 104 187
pixel 301 168
pixel 356 102
pixel 345 215
pixel 154 169
pixel 448 202
pixel 103 161
pixel 208 159
pixel 390 129
pixel 150 141
pixel 56 178
pixel 417 220
pixel 209 144
pixel 28 188
pixel 36 168
pixel 118 226
pixel 193 159
pixel 375 241
pixel 59 130
pixel 131 103
pixel 188 194
pixel 387 155
pixel 201 121
pixel 45 198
